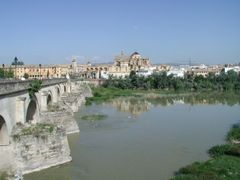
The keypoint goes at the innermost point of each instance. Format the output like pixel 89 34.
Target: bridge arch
pixel 4 138
pixel 58 91
pixel 49 98
pixel 32 111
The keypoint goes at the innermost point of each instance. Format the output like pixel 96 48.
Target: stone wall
pixel 61 118
pixel 7 160
pixel 37 152
pixel 13 86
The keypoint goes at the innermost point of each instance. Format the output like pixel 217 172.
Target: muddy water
pixel 144 138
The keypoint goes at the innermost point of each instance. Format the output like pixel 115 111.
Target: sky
pixel 166 31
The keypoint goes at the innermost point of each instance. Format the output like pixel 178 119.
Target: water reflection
pixel 138 105
pixel 133 105
pixel 152 145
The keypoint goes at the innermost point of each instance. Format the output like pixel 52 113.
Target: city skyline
pixel 166 32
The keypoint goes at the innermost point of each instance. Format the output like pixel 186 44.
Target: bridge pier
pixel 54 96
pixel 68 88
pixel 44 95
pixel 20 110
pixel 4 137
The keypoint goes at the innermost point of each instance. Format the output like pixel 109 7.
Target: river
pixel 144 138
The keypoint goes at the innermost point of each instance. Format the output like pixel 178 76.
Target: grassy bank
pixel 224 162
pixel 101 94
pixel 94 117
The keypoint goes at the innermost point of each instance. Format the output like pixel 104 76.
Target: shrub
pixel 37 130
pixel 234 150
pixel 218 150
pixel 94 117
pixel 190 169
pixel 234 133
pixel 35 86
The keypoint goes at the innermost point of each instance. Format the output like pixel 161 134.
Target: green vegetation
pixel 223 82
pixel 227 149
pixel 26 75
pixel 3 175
pixel 54 107
pixel 219 150
pixel 6 73
pixel 164 98
pixel 222 167
pixel 234 133
pixel 35 86
pixel 37 130
pixel 225 162
pixel 103 94
pixel 94 117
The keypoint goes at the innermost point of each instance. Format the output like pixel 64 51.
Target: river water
pixel 145 138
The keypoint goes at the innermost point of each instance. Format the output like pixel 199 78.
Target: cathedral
pixel 124 64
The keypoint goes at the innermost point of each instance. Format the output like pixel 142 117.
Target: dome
pixel 135 53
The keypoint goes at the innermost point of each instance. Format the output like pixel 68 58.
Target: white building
pixel 176 72
pixel 234 68
pixel 144 72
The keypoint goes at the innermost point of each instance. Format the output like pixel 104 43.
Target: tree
pixel 232 76
pixel 1 73
pixel 26 75
pixel 48 74
pixel 132 74
pixel 9 73
pixel 34 87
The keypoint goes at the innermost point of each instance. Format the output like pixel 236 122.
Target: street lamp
pixel 15 63
pixel 3 66
pixel 40 65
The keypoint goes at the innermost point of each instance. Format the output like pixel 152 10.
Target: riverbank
pixel 101 94
pixel 224 162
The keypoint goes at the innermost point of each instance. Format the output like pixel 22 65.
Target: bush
pixel 234 150
pixel 35 86
pixel 234 133
pixel 218 150
pixel 228 149
pixel 94 117
pixel 190 169
pixel 37 130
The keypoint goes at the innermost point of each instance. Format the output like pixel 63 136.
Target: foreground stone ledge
pixel 34 152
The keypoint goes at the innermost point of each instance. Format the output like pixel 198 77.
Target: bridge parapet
pixel 13 86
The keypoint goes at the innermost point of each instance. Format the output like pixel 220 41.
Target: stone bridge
pixel 16 106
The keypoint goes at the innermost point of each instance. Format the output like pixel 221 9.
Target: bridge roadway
pixel 17 107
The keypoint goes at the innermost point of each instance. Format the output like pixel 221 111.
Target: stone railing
pixel 95 82
pixel 13 86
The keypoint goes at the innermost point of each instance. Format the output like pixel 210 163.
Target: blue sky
pixel 166 31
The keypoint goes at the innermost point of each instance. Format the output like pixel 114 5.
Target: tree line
pixel 223 82
pixel 9 72
pixel 6 73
